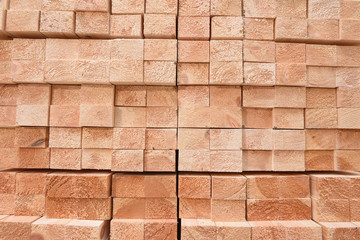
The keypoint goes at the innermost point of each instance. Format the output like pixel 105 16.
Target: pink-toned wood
pixel 78 185
pixel 161 139
pixel 127 6
pixel 159 161
pixel 227 28
pixel 194 8
pixel 160 26
pixel 96 6
pixel 130 96
pixel 127 160
pixel 127 228
pixel 66 158
pixel 258 28
pixel 99 27
pixel 160 50
pixel 193 73
pixel 159 6
pixel 226 8
pixel 16 227
pixel 193 28
pixel 323 29
pixel 194 186
pixel 290 28
pixel 159 96
pixel 193 51
pixel 297 8
pixel 23 23
pixel 99 159
pixel 57 24
pixel 259 51
pixel 79 208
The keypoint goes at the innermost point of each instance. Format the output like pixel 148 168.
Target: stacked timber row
pixel 179 119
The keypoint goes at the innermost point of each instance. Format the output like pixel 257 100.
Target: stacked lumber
pixel 335 204
pixel 36 115
pixel 336 230
pixel 52 228
pixel 72 127
pixel 335 197
pixel 202 148
pixel 144 206
pixel 16 227
pixel 7 192
pixel 315 21
pixel 144 229
pixel 218 197
pixel 84 61
pixel 323 108
pixel 273 197
pixel 30 193
pixel 206 229
pixel 26 196
pixel 139 196
pixel 3 6
pixel 90 61
pixel 32 227
pixel 79 195
pixel 179 119
pixel 324 22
